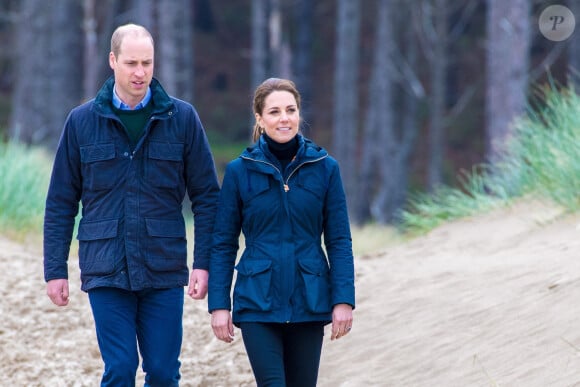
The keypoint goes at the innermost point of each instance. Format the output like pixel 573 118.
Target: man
pixel 129 156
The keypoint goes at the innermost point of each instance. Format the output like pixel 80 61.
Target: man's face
pixel 133 68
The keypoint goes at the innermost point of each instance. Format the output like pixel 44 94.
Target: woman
pixel 283 193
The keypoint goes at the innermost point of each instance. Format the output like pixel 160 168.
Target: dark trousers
pixel 284 355
pixel 150 320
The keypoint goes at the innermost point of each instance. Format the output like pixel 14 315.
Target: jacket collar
pixel 162 102
pixel 307 151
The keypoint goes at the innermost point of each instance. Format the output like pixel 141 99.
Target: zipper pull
pixel 286 188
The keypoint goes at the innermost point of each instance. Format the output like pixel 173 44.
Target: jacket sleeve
pixel 225 242
pixel 338 240
pixel 202 188
pixel 62 204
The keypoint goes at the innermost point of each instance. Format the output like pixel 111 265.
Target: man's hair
pixel 127 29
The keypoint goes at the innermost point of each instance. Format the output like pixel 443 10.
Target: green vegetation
pixel 542 161
pixel 223 153
pixel 24 173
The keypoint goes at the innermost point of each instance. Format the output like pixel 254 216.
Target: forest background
pixel 405 94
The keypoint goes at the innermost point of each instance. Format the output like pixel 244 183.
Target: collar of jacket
pixel 162 102
pixel 307 151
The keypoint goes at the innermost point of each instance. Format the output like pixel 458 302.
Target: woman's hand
pixel 341 320
pixel 221 323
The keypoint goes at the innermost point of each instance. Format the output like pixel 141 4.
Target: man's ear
pixel 112 60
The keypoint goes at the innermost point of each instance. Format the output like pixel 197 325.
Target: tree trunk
pixel 175 47
pixel 345 113
pixel 386 151
pixel 259 65
pixel 380 132
pixel 91 51
pixel 142 12
pixel 438 93
pixel 111 9
pixel 409 125
pixel 303 61
pixel 508 44
pixel 40 34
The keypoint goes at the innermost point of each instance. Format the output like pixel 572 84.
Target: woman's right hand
pixel 221 323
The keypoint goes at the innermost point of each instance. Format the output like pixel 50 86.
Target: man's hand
pixel 57 291
pixel 198 284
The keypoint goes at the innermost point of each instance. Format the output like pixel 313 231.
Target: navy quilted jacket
pixel 132 232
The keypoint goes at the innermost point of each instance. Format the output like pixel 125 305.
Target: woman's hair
pixel 124 30
pixel 264 90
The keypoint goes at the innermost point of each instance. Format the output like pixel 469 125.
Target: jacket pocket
pixel 253 285
pixel 99 166
pixel 98 247
pixel 253 186
pixel 166 245
pixel 312 180
pixel 164 168
pixel 315 274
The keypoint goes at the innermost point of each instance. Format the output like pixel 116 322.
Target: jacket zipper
pixel 267 163
pixel 285 183
pixel 286 186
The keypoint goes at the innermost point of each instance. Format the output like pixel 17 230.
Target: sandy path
pixel 492 301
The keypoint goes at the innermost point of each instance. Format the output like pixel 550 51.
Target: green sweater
pixel 134 121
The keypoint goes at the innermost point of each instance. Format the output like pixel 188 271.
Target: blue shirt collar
pixel 123 106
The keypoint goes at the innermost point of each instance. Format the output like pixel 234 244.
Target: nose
pixel 140 71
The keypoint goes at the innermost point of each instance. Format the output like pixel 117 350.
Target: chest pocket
pixel 99 167
pixel 253 184
pixel 164 167
pixel 313 180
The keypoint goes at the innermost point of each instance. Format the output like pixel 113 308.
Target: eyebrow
pixel 276 107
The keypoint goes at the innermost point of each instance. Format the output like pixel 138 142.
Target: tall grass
pixel 24 177
pixel 542 160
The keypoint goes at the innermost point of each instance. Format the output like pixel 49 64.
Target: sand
pixel 488 301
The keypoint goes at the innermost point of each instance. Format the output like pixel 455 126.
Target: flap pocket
pixel 166 151
pixel 94 230
pixel 313 266
pixel 316 285
pixel 165 228
pixel 313 181
pixel 97 152
pixel 253 267
pixel 253 285
pixel 254 185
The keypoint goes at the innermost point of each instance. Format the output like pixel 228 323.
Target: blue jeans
pixel 284 355
pixel 150 319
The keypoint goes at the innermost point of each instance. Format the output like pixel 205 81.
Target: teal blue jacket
pixel 284 273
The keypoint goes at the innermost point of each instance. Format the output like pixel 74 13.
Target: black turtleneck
pixel 283 152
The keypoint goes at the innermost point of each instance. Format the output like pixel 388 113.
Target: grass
pixel 25 174
pixel 541 161
pixel 372 238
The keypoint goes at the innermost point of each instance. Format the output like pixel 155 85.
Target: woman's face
pixel 280 117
